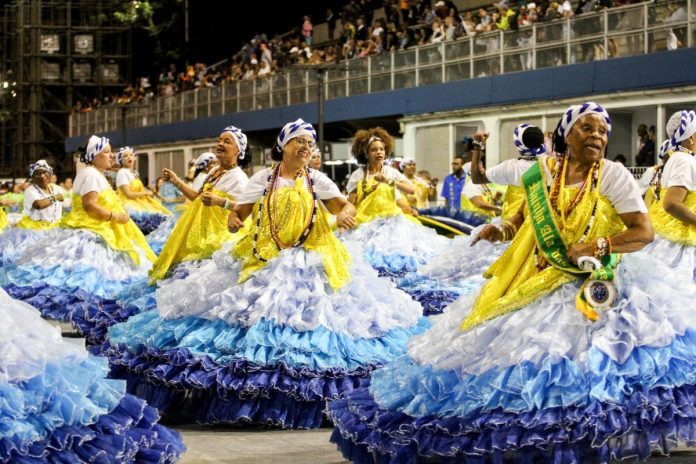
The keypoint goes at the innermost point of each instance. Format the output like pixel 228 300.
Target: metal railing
pixel 626 31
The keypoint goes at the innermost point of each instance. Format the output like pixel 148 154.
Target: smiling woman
pixel 549 362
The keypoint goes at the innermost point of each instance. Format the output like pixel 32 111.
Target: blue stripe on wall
pixel 657 70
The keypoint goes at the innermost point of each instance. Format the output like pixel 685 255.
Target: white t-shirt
pixel 88 180
pixel 618 186
pixel 389 172
pixel 199 181
pixel 233 182
pixel 509 172
pixel 323 186
pixel 124 177
pixel 472 190
pixel 680 171
pixel 51 213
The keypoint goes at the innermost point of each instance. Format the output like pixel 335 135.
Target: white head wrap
pixel 122 152
pixel 575 112
pixel 39 165
pixel 407 162
pixel 94 146
pixel 521 147
pixel 294 129
pixel 204 159
pixel 239 137
pixel 681 126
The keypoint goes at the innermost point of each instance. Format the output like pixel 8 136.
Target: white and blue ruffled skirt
pixel 395 245
pixel 681 258
pixel 72 275
pixel 158 237
pixel 455 271
pixel 270 350
pixel 58 406
pixel 541 384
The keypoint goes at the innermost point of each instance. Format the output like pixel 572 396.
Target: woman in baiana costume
pixel 651 178
pixel 43 208
pixel 286 321
pixel 393 243
pixel 203 165
pixel 58 405
pixel 144 209
pixel 674 212
pixel 77 270
pixel 419 198
pixel 202 229
pixel 458 269
pixel 534 368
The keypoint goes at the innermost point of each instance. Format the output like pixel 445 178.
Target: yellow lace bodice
pixel 671 228
pixel 142 204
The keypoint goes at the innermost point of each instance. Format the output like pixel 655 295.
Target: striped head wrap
pixel 40 165
pixel 239 137
pixel 681 126
pixel 122 152
pixel 575 112
pixel 665 148
pixel 94 147
pixel 521 147
pixel 294 129
pixel 204 160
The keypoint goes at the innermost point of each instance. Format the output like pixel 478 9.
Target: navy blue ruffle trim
pixel 129 433
pixel 470 218
pixel 648 421
pixel 148 222
pixel 433 301
pixel 89 314
pixel 239 391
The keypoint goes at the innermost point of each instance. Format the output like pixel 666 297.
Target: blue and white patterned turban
pixel 41 165
pixel 122 152
pixel 294 129
pixel 681 126
pixel 204 159
pixel 575 112
pixel 665 148
pixel 239 137
pixel 94 147
pixel 521 147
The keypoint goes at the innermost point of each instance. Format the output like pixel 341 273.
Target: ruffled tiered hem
pixel 681 258
pixel 89 314
pixel 179 383
pixel 651 421
pixel 146 221
pixel 158 237
pixel 129 433
pixel 395 245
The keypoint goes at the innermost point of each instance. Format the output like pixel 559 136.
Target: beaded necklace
pixel 558 182
pixel 272 183
pixel 213 178
pixel 368 190
pixel 53 212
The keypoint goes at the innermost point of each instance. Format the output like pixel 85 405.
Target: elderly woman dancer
pixel 539 366
pixel 43 208
pixel 202 228
pixel 58 405
pixel 458 269
pixel 285 321
pixel 203 165
pixel 144 209
pixel 393 243
pixel 77 270
pixel 674 212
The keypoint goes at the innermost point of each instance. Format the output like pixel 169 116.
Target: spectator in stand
pixel 506 16
pixel 307 30
pixel 646 147
pixel 438 34
pixel 266 54
pixel 620 159
pixel 361 30
pixel 330 22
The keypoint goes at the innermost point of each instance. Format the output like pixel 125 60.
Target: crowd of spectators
pixel 404 24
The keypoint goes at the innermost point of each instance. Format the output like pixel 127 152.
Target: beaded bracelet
pixel 479 145
pixel 602 247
